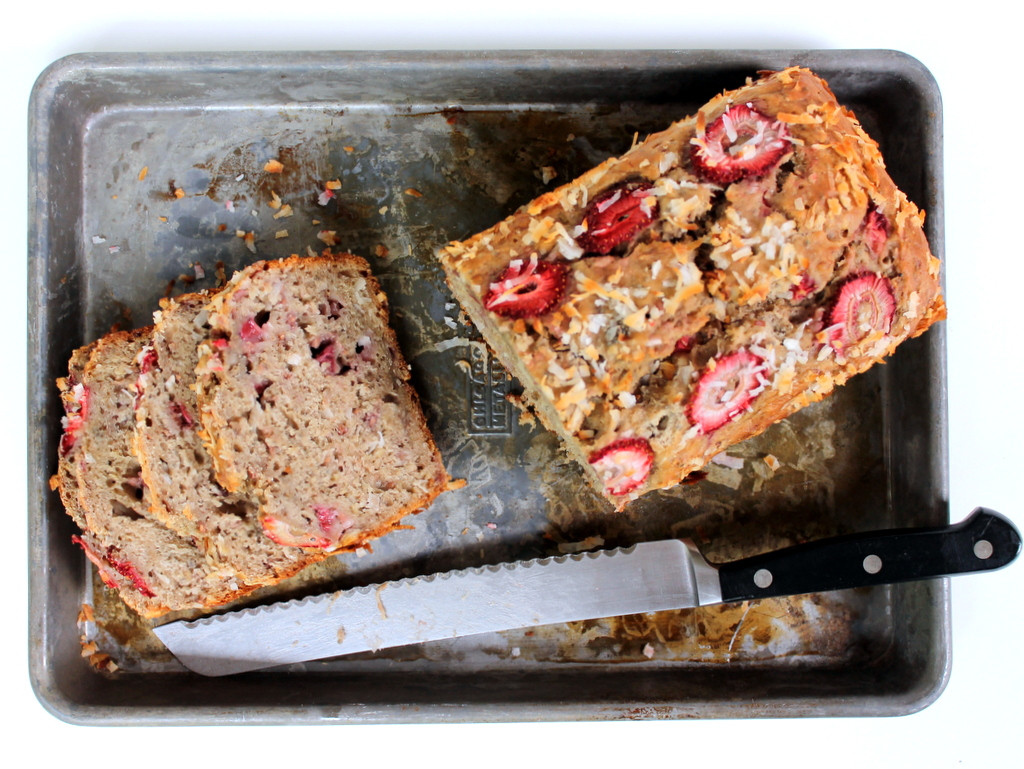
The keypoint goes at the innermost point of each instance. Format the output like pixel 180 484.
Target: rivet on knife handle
pixel 984 541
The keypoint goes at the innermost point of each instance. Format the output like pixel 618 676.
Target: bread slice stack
pixel 245 435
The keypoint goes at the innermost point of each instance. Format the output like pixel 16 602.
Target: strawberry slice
pixel 527 289
pixel 623 464
pixel 726 388
pixel 280 532
pixel 741 142
pixel 102 567
pixel 616 215
pixel 128 570
pixel 865 305
pixel 332 522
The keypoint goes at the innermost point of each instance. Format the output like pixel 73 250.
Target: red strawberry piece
pixel 76 410
pixel 128 570
pixel 332 522
pixel 526 289
pixel 185 419
pixel 686 343
pixel 876 230
pixel 726 388
pixel 623 464
pixel 740 143
pixel 865 305
pixel 283 534
pixel 147 360
pixel 326 355
pixel 101 566
pixel 615 216
pixel 251 331
pixel 67 440
pixel 804 288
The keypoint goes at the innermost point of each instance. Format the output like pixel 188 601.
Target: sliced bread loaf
pixel 305 403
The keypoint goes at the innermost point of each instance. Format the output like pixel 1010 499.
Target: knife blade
pixel 646 577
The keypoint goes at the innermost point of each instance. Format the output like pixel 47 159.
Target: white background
pixel 973 54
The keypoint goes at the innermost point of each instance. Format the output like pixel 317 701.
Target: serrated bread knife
pixel 648 577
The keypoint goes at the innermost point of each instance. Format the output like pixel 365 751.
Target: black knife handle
pixel 984 541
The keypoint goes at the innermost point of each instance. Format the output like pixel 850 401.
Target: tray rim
pixel 47 689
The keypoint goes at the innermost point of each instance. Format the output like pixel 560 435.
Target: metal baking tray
pixel 144 166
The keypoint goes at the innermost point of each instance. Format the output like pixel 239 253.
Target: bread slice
pixel 305 403
pixel 717 277
pixel 74 398
pixel 176 469
pixel 154 569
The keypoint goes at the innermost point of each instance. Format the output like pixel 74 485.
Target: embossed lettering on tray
pixel 487 395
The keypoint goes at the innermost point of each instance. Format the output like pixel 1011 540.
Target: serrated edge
pixel 281 606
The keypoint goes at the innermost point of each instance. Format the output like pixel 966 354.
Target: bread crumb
pixel 85 614
pixel 143 172
pixel 273 166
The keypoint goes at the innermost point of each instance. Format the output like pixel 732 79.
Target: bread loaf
pixel 714 279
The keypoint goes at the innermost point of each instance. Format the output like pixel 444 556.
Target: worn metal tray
pixel 142 167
